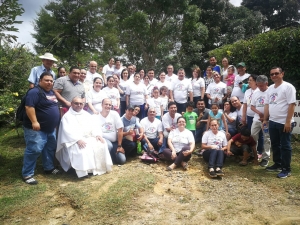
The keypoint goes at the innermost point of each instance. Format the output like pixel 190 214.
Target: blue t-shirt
pixel 217 117
pixel 46 109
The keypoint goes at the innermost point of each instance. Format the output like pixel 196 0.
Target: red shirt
pixel 238 137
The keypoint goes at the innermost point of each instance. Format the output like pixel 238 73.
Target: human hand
pixel 121 149
pixel 160 142
pixel 81 144
pixel 36 126
pixel 100 139
pixel 287 127
pixel 173 156
pixel 214 147
pixel 186 153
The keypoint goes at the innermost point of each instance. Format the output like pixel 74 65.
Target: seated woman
pixel 181 145
pixel 214 143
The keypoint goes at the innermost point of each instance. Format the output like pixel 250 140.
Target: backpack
pixel 21 111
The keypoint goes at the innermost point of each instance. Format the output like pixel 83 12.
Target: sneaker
pixel 219 173
pixel 264 163
pixel 30 180
pixel 212 173
pixel 274 168
pixel 53 171
pixel 284 174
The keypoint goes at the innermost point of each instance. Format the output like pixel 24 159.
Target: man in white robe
pixel 80 144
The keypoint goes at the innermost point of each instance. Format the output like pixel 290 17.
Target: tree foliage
pixel 9 10
pixel 151 31
pixel 277 12
pixel 260 56
pixel 75 30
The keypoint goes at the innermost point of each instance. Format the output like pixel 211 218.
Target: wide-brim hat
pixel 49 56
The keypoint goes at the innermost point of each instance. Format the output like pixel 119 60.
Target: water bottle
pixel 139 147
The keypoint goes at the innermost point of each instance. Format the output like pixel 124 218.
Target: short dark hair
pixel 277 67
pixel 150 70
pixel 245 132
pixel 170 104
pixel 180 117
pixel 108 78
pixel 123 72
pixel 74 68
pixel 96 78
pixel 45 74
pixel 190 104
pixel 254 76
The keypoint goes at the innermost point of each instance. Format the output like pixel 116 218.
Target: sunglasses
pixel 274 74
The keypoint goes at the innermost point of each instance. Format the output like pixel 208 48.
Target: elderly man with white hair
pixel 48 61
pixel 80 144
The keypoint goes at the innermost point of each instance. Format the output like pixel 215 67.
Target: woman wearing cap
pixel 181 144
pixel 136 93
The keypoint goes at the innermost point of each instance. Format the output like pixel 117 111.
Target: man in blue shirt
pixel 39 123
pixel 48 61
pixel 213 64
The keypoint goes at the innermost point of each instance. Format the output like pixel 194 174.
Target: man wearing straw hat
pixel 48 61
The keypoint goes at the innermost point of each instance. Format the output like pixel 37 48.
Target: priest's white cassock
pixel 94 157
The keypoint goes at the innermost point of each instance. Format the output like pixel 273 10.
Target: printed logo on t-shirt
pixel 151 129
pixel 191 119
pixel 261 101
pixel 52 98
pixel 107 128
pixel 273 98
pixel 176 139
pixel 180 87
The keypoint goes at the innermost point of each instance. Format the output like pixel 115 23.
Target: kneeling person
pixel 243 144
pixel 80 144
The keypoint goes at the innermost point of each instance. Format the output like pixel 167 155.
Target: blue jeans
pixel 117 157
pixel 142 112
pixel 281 145
pixel 123 108
pixel 215 158
pixel 38 142
pixel 260 142
pixel 154 142
pixel 129 147
pixel 195 100
pixel 181 107
pixel 199 133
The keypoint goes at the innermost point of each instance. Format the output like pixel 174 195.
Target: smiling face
pixel 201 105
pixel 106 105
pixel 217 77
pixel 47 63
pixel 173 109
pixel 46 82
pixel 110 82
pixel 225 62
pixel 213 61
pixel 214 126
pixel 74 75
pixel 276 75
pixel 181 74
pixel 93 67
pixel 181 123
pixel 235 102
pixel 77 104
pixel 97 84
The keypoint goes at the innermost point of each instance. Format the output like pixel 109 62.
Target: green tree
pixel 150 31
pixel 9 10
pixel 75 31
pixel 277 12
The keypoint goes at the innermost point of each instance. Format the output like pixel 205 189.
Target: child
pixel 190 117
pixel 242 144
pixel 218 115
pixel 156 102
pixel 164 98
pixel 230 77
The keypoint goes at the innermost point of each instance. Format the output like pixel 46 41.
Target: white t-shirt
pixel 113 94
pixel 197 84
pixel 171 78
pixel 232 115
pixel 237 91
pixel 216 90
pixel 279 99
pixel 168 121
pixel 239 113
pixel 118 71
pixel 91 76
pixel 149 89
pixel 108 71
pixel 151 128
pixel 156 103
pixel 123 86
pixel 159 84
pixel 180 90
pixel 247 99
pixel 259 101
pixel 219 139
pixel 165 101
pixel 136 93
pixel 110 125
pixel 95 98
pixel 181 139
pixel 153 81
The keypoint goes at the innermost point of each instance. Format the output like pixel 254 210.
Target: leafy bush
pixel 274 48
pixel 15 65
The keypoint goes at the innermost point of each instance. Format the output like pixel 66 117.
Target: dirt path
pixel 177 197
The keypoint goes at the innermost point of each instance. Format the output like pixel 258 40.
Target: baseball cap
pixel 242 64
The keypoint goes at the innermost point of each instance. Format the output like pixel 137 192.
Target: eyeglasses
pixel 77 103
pixel 274 74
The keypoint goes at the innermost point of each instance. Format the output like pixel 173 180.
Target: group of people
pixel 102 118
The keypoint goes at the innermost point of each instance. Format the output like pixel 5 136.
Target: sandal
pixel 30 180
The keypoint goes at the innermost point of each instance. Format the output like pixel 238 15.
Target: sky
pixel 31 8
